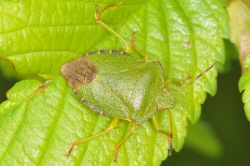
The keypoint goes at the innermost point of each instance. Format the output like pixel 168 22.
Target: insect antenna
pixel 195 79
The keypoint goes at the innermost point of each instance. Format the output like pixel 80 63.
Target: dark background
pixel 224 112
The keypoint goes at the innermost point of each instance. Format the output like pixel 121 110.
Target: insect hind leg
pixel 110 128
pixel 124 140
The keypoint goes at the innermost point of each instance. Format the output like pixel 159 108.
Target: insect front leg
pixel 176 82
pixel 169 134
pixel 111 127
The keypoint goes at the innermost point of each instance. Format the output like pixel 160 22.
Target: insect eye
pixel 165 100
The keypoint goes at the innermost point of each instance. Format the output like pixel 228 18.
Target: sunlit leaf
pixel 40 120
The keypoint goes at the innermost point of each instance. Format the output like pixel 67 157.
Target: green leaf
pixel 244 84
pixel 203 139
pixel 40 120
pixel 239 14
pixel 7 69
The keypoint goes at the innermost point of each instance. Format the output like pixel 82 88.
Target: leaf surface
pixel 40 120
pixel 239 13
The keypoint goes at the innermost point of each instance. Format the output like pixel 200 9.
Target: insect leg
pixel 124 140
pixel 98 21
pixel 176 82
pixel 195 79
pixel 169 134
pixel 145 56
pixel 111 127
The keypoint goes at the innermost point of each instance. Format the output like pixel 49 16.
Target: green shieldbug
pixel 116 84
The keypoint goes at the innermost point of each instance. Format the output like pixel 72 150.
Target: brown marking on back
pixel 79 71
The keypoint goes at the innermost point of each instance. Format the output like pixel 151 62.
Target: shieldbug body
pixel 116 84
